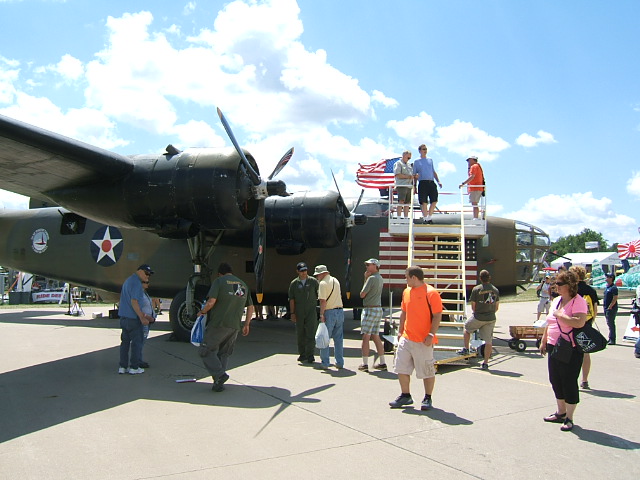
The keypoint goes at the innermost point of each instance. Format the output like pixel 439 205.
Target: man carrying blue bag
pixel 228 297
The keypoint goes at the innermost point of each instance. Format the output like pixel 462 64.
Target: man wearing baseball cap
pixel 476 184
pixel 611 306
pixel 132 319
pixel 331 314
pixel 371 295
pixel 303 299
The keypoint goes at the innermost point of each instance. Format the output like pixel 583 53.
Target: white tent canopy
pixel 610 259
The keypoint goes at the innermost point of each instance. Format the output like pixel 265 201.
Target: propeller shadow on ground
pixel 40 396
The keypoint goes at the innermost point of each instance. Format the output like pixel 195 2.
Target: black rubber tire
pixel 521 346
pixel 480 350
pixel 512 344
pixel 180 322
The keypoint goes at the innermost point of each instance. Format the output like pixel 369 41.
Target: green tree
pixel 575 243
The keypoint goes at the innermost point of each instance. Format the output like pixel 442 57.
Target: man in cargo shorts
pixel 419 322
pixel 485 301
pixel 371 295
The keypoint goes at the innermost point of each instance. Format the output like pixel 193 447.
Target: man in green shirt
pixel 303 299
pixel 485 301
pixel 228 297
pixel 371 295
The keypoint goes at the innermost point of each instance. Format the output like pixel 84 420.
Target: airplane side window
pixel 539 255
pixel 72 224
pixel 523 255
pixel 523 238
pixel 541 240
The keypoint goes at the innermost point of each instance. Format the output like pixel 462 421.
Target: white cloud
pixel 378 97
pixel 465 139
pixel 13 201
pixel 445 168
pixel 416 130
pixel 70 67
pixel 9 71
pixel 189 8
pixel 526 140
pixel 633 185
pixel 91 126
pixel 196 133
pixel 569 214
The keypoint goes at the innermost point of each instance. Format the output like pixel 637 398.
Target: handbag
pixel 588 339
pixel 562 350
pixel 197 331
pixel 322 336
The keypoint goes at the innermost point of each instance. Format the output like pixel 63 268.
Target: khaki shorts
pixel 404 195
pixel 412 356
pixel 485 328
pixel 474 196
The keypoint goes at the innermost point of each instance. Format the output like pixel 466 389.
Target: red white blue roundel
pixel 106 246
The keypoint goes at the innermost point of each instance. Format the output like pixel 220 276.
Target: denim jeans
pixel 131 338
pixel 610 315
pixel 334 320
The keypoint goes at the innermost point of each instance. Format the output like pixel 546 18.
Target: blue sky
pixel 545 93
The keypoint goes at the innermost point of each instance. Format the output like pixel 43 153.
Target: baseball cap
pixel 146 268
pixel 373 261
pixel 302 267
pixel 610 275
pixel 473 157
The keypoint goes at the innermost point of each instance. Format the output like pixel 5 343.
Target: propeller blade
pixel 255 178
pixel 259 248
pixel 358 202
pixel 348 243
pixel 345 210
pixel 283 161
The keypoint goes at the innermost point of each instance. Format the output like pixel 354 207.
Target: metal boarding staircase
pixel 445 250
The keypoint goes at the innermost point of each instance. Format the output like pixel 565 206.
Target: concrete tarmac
pixel 66 413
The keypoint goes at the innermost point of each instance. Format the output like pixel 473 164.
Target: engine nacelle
pixel 174 195
pixel 297 222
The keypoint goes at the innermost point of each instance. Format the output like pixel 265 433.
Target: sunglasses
pixel 146 283
pixel 560 284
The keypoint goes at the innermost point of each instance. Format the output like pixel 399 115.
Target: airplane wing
pixel 34 161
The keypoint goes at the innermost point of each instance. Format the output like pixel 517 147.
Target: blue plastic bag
pixel 197 331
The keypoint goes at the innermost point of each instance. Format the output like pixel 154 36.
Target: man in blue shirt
pixel 427 189
pixel 611 306
pixel 132 319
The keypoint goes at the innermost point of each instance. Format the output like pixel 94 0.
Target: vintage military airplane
pixel 100 214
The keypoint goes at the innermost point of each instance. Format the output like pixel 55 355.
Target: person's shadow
pixel 604 439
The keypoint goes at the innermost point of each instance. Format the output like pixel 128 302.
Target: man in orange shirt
pixel 419 322
pixel 476 184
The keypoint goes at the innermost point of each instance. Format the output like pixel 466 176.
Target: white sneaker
pixel 122 370
pixel 135 371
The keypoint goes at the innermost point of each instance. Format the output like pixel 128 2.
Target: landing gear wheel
pixel 180 321
pixel 521 346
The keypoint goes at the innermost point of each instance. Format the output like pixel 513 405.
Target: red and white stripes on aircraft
pixel 393 263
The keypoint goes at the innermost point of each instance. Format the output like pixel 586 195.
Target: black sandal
pixel 568 425
pixel 556 418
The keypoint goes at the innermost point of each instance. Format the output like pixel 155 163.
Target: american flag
pixel 631 249
pixel 376 175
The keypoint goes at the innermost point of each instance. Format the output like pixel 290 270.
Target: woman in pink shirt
pixel 569 311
